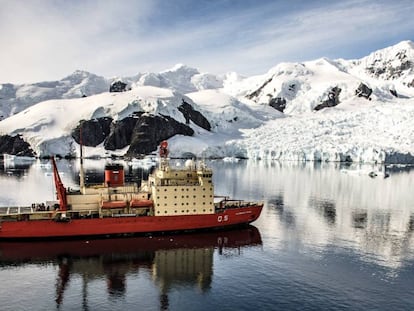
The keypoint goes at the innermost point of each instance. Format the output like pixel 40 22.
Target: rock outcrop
pixel 117 86
pixel 363 91
pixel 121 133
pixel 279 103
pixel 149 131
pixel 190 114
pixel 15 145
pixel 142 132
pixel 333 99
pixel 93 131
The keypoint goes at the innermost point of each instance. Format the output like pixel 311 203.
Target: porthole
pixel 194 210
pixel 158 212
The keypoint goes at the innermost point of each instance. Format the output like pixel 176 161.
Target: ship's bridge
pixel 183 191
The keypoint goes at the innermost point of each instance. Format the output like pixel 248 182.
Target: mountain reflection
pixel 330 205
pixel 171 260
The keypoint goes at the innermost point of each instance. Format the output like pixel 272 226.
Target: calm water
pixel 329 238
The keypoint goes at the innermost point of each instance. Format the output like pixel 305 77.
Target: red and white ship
pixel 171 200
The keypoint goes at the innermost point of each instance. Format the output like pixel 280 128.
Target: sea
pixel 331 236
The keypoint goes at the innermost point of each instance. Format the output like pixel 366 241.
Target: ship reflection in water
pixel 185 259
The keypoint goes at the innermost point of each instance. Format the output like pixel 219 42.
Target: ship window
pixel 175 189
pixel 175 212
pixel 194 210
pixel 165 212
pixel 165 189
pixel 175 204
pixel 204 209
pixel 182 211
pixel 204 203
pixel 204 195
pixel 194 196
pixel 186 196
pixel 204 189
pixel 165 197
pixel 211 210
pixel 188 189
pixel 175 197
pixel 165 204
pixel 158 212
pixel 188 211
pixel 158 204
pixel 194 189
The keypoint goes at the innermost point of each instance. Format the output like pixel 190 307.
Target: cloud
pixel 45 40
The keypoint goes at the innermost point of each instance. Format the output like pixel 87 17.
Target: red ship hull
pixel 44 229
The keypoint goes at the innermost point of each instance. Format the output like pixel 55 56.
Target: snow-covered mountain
pixel 15 98
pixel 328 110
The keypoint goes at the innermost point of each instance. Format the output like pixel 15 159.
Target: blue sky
pixel 47 40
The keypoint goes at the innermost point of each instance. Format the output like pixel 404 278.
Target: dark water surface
pixel 329 238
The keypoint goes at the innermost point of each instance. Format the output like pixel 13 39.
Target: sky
pixel 48 40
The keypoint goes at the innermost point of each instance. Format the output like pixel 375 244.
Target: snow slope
pixel 243 124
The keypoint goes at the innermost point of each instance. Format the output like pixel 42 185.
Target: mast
pixel 81 171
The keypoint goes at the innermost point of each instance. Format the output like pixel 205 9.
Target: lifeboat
pixel 113 204
pixel 141 203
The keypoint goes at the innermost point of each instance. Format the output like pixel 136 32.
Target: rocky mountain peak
pixel 391 63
